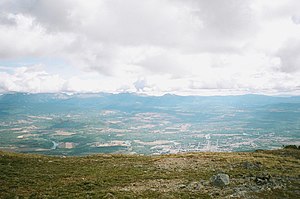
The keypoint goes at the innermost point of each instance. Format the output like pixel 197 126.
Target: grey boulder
pixel 220 180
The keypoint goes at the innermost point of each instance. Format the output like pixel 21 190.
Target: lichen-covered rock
pixel 220 180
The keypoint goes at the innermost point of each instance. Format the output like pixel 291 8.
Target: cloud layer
pixel 155 46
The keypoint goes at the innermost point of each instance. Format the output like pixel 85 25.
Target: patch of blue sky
pixel 50 65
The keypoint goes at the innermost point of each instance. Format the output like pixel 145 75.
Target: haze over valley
pixel 80 124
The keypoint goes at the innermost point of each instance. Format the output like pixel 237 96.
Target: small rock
pixel 182 186
pixel 164 186
pixel 263 179
pixel 255 189
pixel 220 180
pixel 194 185
pixel 252 165
pixel 252 178
pixel 204 183
pixel 109 196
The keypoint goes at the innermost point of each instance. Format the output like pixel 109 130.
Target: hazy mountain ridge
pixel 132 99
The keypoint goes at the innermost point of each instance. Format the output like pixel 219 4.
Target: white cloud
pixel 154 47
pixel 30 79
pixel 28 38
pixel 289 56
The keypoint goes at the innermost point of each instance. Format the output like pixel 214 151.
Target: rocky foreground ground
pixel 260 174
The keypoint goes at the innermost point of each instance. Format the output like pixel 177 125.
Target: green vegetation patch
pixel 261 174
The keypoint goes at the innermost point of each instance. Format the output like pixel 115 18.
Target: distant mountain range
pixel 135 99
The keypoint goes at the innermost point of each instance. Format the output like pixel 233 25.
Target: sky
pixel 153 47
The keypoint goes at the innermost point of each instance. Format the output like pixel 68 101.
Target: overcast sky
pixel 186 47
